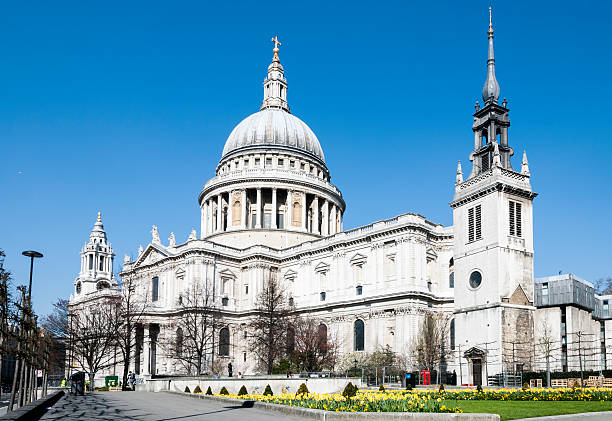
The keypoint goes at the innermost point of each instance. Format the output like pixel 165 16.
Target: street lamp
pixel 32 255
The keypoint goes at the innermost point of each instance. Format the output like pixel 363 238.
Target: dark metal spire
pixel 490 90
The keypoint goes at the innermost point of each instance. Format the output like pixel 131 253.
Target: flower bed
pixel 364 401
pixel 563 394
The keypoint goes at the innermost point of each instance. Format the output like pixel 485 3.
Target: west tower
pixel 493 247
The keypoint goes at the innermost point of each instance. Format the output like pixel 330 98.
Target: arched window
pixel 296 214
pixel 236 213
pixel 102 285
pixel 101 268
pixel 179 341
pixel 90 262
pixel 155 289
pixel 224 342
pixel 359 335
pixel 322 338
pixel 452 334
pixel 451 273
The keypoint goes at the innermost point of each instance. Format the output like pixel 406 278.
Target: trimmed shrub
pixel 350 390
pixel 243 391
pixel 441 387
pixel 209 391
pixel 223 391
pixel 187 389
pixel 268 391
pixel 381 388
pixel 302 390
pixel 197 389
pixel 525 386
pixel 479 389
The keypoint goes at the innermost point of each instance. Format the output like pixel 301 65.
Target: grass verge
pixel 510 410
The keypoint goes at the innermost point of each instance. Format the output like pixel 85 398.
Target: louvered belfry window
pixel 514 214
pixel 475 223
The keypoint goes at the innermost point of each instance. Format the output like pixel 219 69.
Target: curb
pixel 319 414
pixel 35 409
pixel 581 415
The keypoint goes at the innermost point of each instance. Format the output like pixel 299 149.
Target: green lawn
pixel 510 410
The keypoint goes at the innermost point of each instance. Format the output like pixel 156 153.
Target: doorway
pixel 477 371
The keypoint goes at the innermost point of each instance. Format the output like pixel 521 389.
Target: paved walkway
pixel 140 406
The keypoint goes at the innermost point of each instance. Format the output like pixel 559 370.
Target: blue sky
pixel 124 108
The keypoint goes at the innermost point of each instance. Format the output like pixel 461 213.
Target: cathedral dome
pixel 273 128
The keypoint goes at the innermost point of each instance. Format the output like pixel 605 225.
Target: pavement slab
pixel 149 406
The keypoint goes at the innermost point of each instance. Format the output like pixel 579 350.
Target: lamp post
pixel 32 255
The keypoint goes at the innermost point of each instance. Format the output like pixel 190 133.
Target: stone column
pixel 315 215
pixel 146 348
pixel 304 214
pixel 243 216
pixel 230 205
pixel 332 220
pixel 288 217
pixel 325 218
pixel 219 213
pixel 258 209
pixel 273 216
pixel 203 221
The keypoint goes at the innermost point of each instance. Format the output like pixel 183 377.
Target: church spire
pixel 490 90
pixel 275 85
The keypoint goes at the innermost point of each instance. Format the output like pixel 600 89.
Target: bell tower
pixel 96 264
pixel 493 246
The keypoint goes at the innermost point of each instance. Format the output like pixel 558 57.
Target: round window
pixel 78 288
pixel 475 279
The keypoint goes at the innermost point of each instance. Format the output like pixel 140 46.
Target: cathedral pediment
pixel 474 352
pixel 152 254
pixel 290 274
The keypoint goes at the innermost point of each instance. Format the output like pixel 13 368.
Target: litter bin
pixel 77 386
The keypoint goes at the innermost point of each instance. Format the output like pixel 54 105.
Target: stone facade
pixel 272 211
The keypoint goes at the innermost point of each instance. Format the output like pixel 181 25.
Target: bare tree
pixel 195 327
pixel 57 334
pixel 268 327
pixel 429 347
pixel 603 286
pixel 132 308
pixel 92 331
pixel 309 345
pixel 546 345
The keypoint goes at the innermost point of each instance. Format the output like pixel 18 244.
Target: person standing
pixel 132 380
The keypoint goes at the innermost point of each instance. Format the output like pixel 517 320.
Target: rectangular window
pixel 267 222
pixel 605 308
pixel 268 162
pixel 514 216
pixel 244 356
pixel 474 223
pixel 359 290
pixel 280 162
pixel 253 220
pixel 545 289
pixel 323 296
pixel 292 164
pixel 280 221
pixel 90 262
pixel 155 289
pixel 257 162
pixel 246 289
pixel 101 263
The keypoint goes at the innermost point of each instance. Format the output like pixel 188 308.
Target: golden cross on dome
pixel 276 50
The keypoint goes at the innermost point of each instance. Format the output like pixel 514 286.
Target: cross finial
pixel 276 50
pixel 99 217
